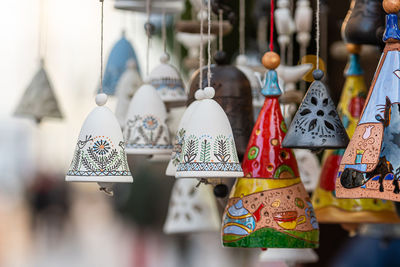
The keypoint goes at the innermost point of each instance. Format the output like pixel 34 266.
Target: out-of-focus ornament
pixel 269 207
pixel 191 209
pixel 309 168
pixel 370 167
pixel 241 64
pixel 284 25
pixel 39 100
pixel 303 22
pixel 328 208
pixel 157 6
pixel 291 256
pixel 127 85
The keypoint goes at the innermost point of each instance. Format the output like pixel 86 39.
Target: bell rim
pixel 208 174
pixel 111 179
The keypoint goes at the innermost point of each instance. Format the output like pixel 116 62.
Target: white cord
pixel 318 33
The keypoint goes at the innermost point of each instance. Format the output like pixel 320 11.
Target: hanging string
pixel 242 20
pixel 317 19
pixel 101 46
pixel 271 31
pixel 148 33
pixel 220 28
pixel 201 45
pixel 209 43
pixel 164 28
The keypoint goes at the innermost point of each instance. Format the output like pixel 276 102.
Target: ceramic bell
pixel 39 100
pixel 127 85
pixel 157 6
pixel 309 168
pixel 233 93
pixel 291 256
pixel 328 208
pixel 316 124
pixel 269 207
pixel 146 131
pixel 117 61
pixel 191 209
pixel 100 151
pixel 209 149
pixel 168 83
pixel 241 64
pixel 370 166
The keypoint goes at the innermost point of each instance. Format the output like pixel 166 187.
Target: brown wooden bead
pixel 271 60
pixel 353 48
pixel 391 6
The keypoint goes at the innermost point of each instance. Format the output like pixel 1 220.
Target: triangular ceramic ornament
pixel 209 149
pixel 291 256
pixel 191 209
pixel 127 85
pixel 39 100
pixel 157 6
pixel 146 131
pixel 100 151
pixel 370 167
pixel 168 83
pixel 269 207
pixel 316 124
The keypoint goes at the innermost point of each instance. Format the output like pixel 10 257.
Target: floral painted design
pixel 150 123
pixel 101 147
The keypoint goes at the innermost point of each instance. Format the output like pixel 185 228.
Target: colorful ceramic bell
pixel 100 151
pixel 316 124
pixel 209 149
pixel 39 100
pixel 328 208
pixel 146 131
pixel 120 54
pixel 269 207
pixel 127 85
pixel 168 83
pixel 370 166
pixel 241 64
pixel 157 6
pixel 191 209
pixel 291 256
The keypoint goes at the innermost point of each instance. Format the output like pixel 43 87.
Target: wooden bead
pixel 391 6
pixel 271 60
pixel 353 48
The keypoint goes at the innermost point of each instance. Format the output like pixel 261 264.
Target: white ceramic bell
pixel 127 85
pixel 258 98
pixel 191 209
pixel 209 149
pixel 309 168
pixel 100 151
pixel 166 79
pixel 289 255
pixel 145 130
pixel 157 6
pixel 284 23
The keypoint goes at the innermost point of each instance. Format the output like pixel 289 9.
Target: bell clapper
pixel 107 188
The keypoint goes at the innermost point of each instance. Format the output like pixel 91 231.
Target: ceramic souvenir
pixel 328 208
pixel 269 207
pixel 191 209
pixel 157 6
pixel 100 151
pixel 209 149
pixel 39 100
pixel 233 93
pixel 370 166
pixel 284 24
pixel 127 85
pixel 168 83
pixel 241 64
pixel 146 131
pixel 290 75
pixel 291 256
pixel 120 54
pixel 303 21
pixel 309 168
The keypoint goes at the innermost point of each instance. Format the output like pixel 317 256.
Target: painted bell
pixel 209 149
pixel 127 85
pixel 328 208
pixel 291 256
pixel 316 124
pixel 117 61
pixel 168 83
pixel 191 209
pixel 370 167
pixel 157 6
pixel 258 98
pixel 233 93
pixel 146 131
pixel 100 151
pixel 269 207
pixel 39 100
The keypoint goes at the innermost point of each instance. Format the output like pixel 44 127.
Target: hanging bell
pixel 309 168
pixel 291 256
pixel 168 83
pixel 100 151
pixel 157 6
pixel 233 93
pixel 269 207
pixel 328 208
pixel 316 124
pixel 370 167
pixel 146 131
pixel 39 100
pixel 191 209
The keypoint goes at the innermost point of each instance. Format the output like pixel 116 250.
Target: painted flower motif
pixel 101 147
pixel 150 123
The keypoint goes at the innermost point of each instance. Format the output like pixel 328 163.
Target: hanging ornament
pixel 370 167
pixel 291 256
pixel 328 208
pixel 127 85
pixel 100 151
pixel 285 26
pixel 157 6
pixel 309 168
pixel 269 207
pixel 191 209
pixel 303 21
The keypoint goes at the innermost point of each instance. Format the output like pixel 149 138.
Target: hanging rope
pixel 101 45
pixel 164 28
pixel 209 43
pixel 148 33
pixel 271 31
pixel 242 21
pixel 201 45
pixel 317 37
pixel 220 29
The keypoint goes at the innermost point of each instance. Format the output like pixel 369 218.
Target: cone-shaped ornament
pixel 146 131
pixel 370 167
pixel 39 100
pixel 328 208
pixel 269 207
pixel 291 256
pixel 316 124
pixel 191 209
